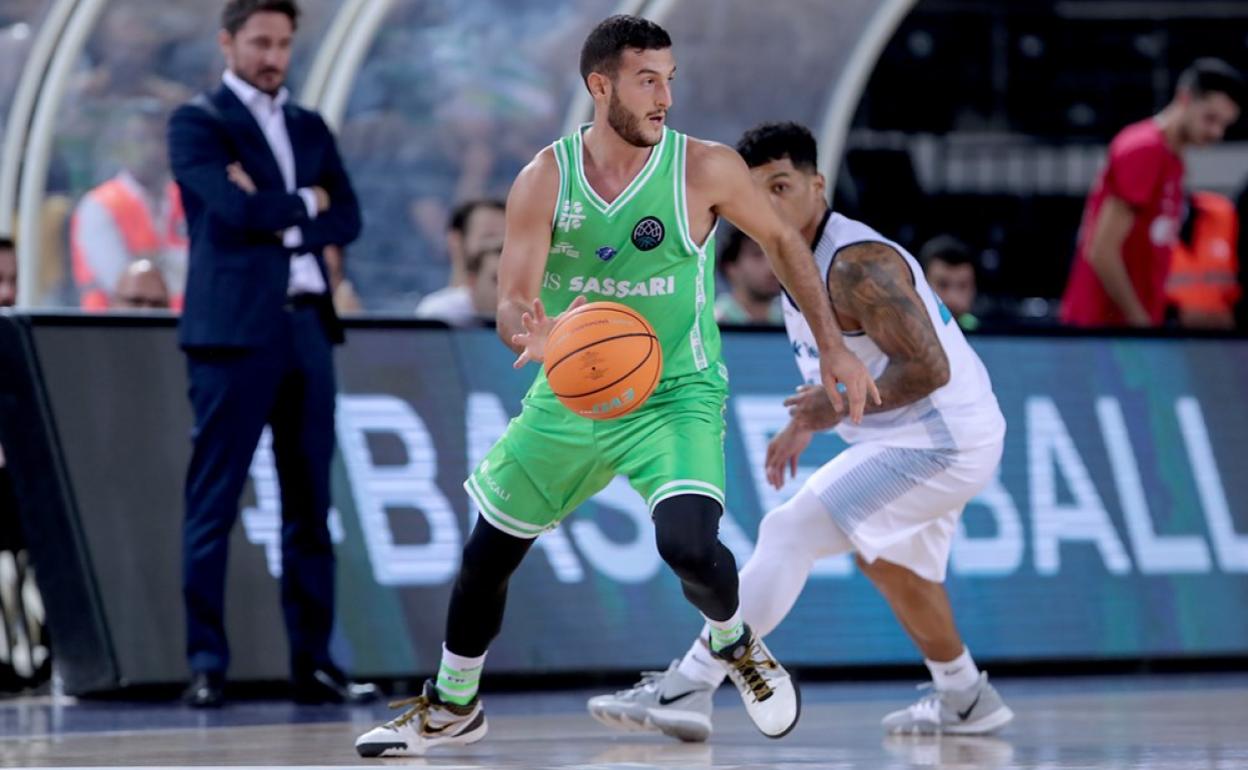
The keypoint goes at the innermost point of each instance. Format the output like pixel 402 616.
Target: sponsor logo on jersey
pixel 571 217
pixel 804 349
pixel 494 486
pixel 658 286
pixel 565 248
pixel 605 253
pixel 648 233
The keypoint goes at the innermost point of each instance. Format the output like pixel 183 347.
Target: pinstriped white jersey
pixel 962 414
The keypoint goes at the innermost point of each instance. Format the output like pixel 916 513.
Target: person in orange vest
pixel 1203 285
pixel 135 215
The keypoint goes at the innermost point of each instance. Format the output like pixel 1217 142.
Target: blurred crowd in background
pixel 974 146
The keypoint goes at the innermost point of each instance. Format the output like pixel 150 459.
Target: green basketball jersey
pixel 636 250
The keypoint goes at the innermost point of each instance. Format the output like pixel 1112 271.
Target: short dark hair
pixel 463 212
pixel 614 35
pixel 6 244
pixel 947 249
pixel 776 141
pixel 1213 76
pixel 237 12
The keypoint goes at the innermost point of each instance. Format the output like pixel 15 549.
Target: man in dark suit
pixel 265 192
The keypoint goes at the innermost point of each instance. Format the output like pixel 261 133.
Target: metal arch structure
pixel 24 100
pixel 349 58
pixel 42 133
pixel 851 81
pixel 328 52
pixel 31 123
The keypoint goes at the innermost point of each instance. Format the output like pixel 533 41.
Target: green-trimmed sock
pixel 458 677
pixel 725 633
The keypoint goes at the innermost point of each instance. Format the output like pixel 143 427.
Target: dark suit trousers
pixel 289 385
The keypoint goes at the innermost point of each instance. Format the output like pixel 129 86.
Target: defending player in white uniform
pixel 893 496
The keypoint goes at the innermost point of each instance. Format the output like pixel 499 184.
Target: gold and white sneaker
pixel 771 697
pixel 428 722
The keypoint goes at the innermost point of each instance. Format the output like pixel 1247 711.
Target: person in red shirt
pixel 1132 215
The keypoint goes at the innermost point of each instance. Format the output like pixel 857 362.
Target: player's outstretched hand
pixel 843 367
pixel 537 326
pixel 783 450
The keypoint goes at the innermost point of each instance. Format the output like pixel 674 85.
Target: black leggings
pixel 480 593
pixel 686 529
pixel 687 535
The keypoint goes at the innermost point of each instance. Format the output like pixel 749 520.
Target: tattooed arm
pixel 871 283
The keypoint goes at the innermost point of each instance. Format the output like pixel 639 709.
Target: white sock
pixel 725 633
pixel 961 673
pixel 700 665
pixel 459 677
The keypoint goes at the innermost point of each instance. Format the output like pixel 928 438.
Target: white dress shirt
pixel 452 305
pixel 305 274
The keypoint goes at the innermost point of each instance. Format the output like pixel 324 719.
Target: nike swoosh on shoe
pixel 964 714
pixel 664 701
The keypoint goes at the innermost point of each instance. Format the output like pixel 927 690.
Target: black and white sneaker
pixel 427 722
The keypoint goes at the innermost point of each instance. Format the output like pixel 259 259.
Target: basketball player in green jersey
pixel 624 209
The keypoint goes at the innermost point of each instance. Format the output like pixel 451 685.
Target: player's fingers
pixel 834 395
pixel 580 300
pixel 522 359
pixel 774 477
pixel 793 466
pixel 875 391
pixel 857 401
pixel 539 310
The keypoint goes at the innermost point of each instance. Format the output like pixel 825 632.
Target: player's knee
pixel 781 528
pixel 886 574
pixel 686 533
pixel 686 555
pixel 490 557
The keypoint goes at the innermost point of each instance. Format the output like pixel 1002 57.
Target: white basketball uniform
pixel 897 491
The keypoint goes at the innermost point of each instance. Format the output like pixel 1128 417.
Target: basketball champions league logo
pixel 648 233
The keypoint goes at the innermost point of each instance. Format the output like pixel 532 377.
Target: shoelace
pixel 928 706
pixel 748 667
pixel 649 680
pixel 418 705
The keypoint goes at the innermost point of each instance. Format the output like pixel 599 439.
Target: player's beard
pixel 627 124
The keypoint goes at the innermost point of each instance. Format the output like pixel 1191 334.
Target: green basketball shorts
pixel 550 460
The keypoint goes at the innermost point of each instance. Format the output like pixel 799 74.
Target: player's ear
pixel 598 85
pixel 821 185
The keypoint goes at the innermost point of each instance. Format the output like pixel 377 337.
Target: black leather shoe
pixel 329 685
pixel 207 691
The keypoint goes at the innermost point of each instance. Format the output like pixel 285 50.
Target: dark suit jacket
pixel 239 270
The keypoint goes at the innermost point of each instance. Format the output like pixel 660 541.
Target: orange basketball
pixel 603 360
